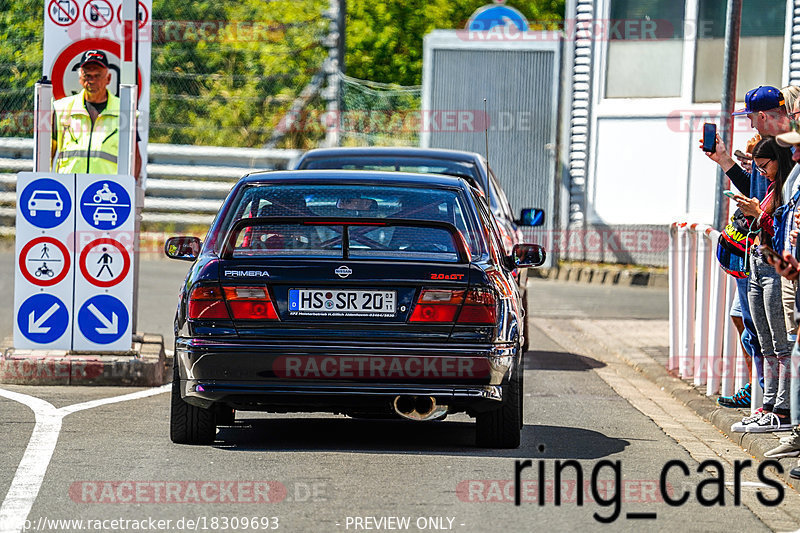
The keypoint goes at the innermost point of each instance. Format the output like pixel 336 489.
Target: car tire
pixel 500 428
pixel 189 424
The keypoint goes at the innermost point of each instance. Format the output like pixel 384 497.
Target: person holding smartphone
pixel 765 294
pixel 766 108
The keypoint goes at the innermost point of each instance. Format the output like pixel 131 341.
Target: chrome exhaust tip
pixel 418 408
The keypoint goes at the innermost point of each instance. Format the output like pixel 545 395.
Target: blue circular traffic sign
pixel 42 318
pixel 45 203
pixel 103 319
pixel 105 205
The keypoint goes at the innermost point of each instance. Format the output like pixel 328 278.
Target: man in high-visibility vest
pixel 86 125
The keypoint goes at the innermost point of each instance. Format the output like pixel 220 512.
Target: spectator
pixel 764 295
pixel 765 107
pixel 790 270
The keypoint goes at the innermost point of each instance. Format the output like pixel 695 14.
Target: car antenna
pixel 486 134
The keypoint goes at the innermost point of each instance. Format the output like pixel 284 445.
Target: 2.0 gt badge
pixel 343 271
pixel 447 276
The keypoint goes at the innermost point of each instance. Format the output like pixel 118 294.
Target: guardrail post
pixel 689 285
pixel 731 350
pixel 704 321
pixel 674 296
pixel 717 316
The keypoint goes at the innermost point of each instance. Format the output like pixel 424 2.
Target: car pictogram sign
pixel 104 262
pixel 45 203
pixel 63 12
pixel 42 318
pixel 44 261
pixel 103 319
pixel 105 205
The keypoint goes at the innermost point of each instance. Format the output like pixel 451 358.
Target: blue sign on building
pixel 103 319
pixel 42 318
pixel 105 205
pixel 45 203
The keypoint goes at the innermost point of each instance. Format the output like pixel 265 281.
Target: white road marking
pixel 31 470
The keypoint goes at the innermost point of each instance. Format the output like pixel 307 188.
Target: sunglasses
pixel 760 169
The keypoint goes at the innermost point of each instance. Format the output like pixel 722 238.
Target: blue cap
pixel 763 98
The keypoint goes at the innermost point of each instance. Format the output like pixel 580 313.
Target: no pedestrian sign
pixel 105 262
pixel 44 261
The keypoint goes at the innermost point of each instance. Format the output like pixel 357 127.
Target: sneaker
pixel 795 472
pixel 789 446
pixel 769 422
pixel 739 427
pixel 739 400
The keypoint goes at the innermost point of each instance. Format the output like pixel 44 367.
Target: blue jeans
pixel 766 309
pixel 749 335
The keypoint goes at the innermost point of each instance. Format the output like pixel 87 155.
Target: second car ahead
pixel 365 293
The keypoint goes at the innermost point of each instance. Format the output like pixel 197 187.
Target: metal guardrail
pixel 185 184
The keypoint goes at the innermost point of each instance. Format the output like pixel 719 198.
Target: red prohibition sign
pixel 23 254
pixel 102 17
pixel 126 262
pixel 141 9
pixel 56 15
pixel 76 49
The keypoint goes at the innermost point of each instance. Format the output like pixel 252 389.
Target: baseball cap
pixel 94 56
pixel 789 138
pixel 762 98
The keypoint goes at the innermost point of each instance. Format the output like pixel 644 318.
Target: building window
pixel 645 48
pixel 760 47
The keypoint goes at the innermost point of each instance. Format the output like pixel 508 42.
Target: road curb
pixel 603 275
pixel 145 365
pixel 756 444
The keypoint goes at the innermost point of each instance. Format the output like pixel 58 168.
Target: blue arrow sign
pixel 45 203
pixel 42 318
pixel 103 319
pixel 105 204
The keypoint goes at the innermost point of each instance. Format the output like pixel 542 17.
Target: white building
pixel 641 78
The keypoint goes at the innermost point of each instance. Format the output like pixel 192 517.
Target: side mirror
pixel 528 255
pixel 531 217
pixel 183 248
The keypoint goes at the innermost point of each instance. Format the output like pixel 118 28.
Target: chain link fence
pixel 379 114
pixel 222 73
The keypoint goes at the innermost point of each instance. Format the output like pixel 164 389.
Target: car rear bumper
pixel 340 376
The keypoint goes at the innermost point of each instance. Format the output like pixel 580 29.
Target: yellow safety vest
pixel 83 147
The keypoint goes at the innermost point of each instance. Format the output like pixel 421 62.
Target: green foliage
pixel 225 72
pixel 384 39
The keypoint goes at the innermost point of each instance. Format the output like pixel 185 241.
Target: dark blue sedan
pixel 365 293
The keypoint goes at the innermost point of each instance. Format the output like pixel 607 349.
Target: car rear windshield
pixel 352 202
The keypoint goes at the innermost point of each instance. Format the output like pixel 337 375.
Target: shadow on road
pixel 406 437
pixel 539 360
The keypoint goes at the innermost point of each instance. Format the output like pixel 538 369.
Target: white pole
pixel 685 363
pixel 731 349
pixel 704 319
pixel 42 125
pixel 717 319
pixel 674 298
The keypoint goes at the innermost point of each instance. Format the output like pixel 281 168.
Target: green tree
pixel 384 39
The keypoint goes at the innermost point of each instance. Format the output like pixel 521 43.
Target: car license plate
pixel 316 302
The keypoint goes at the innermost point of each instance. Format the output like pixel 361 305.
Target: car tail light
pixel 480 307
pixel 250 303
pixel 206 302
pixel 437 306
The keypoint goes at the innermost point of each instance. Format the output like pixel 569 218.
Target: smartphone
pixel 709 137
pixel 729 194
pixel 742 155
pixel 769 252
